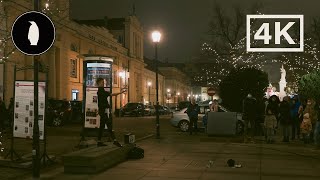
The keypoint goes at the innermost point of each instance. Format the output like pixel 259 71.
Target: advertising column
pixel 95 67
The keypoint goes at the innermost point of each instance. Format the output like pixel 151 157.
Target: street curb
pixel 145 137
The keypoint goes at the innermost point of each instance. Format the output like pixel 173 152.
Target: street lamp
pixel 156 35
pixel 149 85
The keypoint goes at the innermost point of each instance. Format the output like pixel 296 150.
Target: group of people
pixel 193 110
pixel 296 119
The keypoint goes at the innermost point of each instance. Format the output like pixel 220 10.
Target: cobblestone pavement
pixel 65 139
pixel 178 155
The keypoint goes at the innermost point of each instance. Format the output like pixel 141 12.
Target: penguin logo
pixel 33 34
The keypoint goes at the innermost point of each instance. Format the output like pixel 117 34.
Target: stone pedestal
pixel 282 85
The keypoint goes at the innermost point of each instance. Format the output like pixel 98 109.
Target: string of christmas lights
pixel 297 64
pixel 6 48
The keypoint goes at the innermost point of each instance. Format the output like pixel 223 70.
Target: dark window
pixel 73 68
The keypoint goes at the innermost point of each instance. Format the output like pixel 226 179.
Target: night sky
pixel 183 22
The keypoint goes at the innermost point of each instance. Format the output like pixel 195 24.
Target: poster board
pixel 95 70
pixel 24 109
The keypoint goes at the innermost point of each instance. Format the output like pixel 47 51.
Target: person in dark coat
pixel 193 111
pixel 10 113
pixel 295 105
pixel 249 116
pixel 103 110
pixel 285 118
pixel 274 103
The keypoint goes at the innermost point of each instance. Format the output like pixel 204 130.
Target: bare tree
pixel 225 48
pixel 315 30
pixel 6 47
pixel 228 29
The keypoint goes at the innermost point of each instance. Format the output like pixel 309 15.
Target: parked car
pixel 181 120
pixel 132 109
pixel 183 104
pixel 149 110
pixel 167 110
pixel 161 109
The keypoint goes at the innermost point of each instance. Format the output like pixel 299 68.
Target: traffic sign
pixel 33 33
pixel 211 92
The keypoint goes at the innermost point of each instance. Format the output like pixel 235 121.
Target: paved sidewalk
pixel 180 156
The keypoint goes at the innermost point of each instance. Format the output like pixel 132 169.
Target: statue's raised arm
pixel 283 74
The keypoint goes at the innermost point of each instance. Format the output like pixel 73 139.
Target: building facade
pixel 149 88
pixel 65 58
pixel 177 85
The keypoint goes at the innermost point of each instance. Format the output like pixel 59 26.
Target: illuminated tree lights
pixel 1 146
pixel 226 50
pixel 217 66
pixel 6 48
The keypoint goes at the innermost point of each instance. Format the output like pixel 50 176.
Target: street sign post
pixel 211 92
pixel 33 33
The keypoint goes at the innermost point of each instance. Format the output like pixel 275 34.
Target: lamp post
pixel 149 85
pixel 156 35
pixel 122 76
pixel 35 144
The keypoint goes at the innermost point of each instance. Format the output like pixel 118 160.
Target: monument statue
pixel 282 83
pixel 283 74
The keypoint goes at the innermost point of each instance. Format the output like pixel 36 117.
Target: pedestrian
pixel 274 103
pixel 193 111
pixel 270 123
pixel 205 117
pixel 266 102
pixel 294 112
pixel 306 128
pixel 214 107
pixel 249 116
pixel 103 110
pixel 285 118
pixel 311 109
pixel 300 118
pixel 261 111
pixel 10 113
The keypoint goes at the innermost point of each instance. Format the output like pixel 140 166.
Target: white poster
pixel 1 80
pixel 24 109
pixel 92 118
pixel 94 71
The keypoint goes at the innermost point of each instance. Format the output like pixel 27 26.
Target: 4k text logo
pixel 275 33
